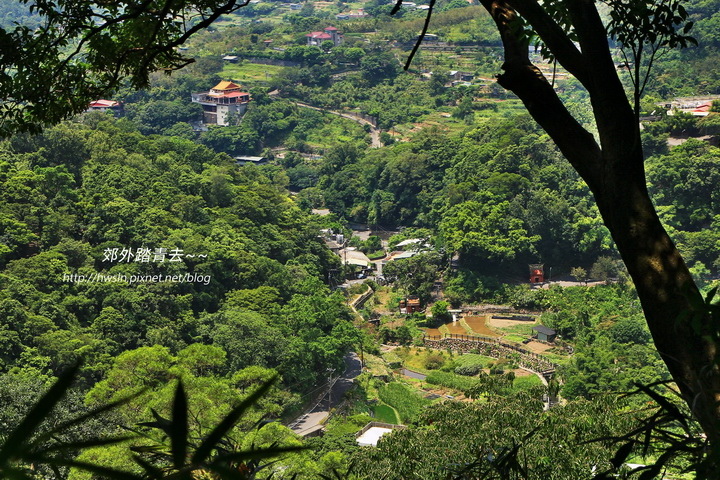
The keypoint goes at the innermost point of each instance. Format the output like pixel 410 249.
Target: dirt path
pixel 374 131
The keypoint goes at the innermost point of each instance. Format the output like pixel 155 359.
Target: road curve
pixel 314 419
pixel 374 131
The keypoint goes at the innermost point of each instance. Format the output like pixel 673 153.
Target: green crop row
pixel 406 402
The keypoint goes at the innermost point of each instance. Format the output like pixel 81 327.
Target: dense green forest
pixel 228 292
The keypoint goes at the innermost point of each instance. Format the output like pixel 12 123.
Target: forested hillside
pixel 125 249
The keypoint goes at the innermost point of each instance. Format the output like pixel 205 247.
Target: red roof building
pixel 702 110
pixel 330 33
pixel 104 105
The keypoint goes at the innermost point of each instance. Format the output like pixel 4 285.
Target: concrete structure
pixel 537 273
pixel 373 431
pixel 371 436
pixel 461 76
pixel 223 100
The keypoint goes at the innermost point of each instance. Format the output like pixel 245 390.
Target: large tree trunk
pixel 614 171
pixel 664 286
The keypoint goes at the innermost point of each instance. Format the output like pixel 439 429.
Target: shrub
pixel 449 366
pixel 451 380
pixel 468 370
pixel 406 402
pixel 434 361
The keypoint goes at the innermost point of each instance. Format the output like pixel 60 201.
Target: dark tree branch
pixel 607 93
pixel 422 34
pixel 527 82
pixel 553 36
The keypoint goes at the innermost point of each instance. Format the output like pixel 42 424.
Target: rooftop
pixel 354 257
pixel 249 158
pixel 227 95
pixel 104 103
pixel 319 35
pixel 371 433
pixel 371 437
pixel 544 330
pixel 226 85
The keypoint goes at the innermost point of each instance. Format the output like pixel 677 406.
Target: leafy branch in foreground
pixel 176 455
pixel 179 456
pixel 25 447
pixel 84 50
pixel 671 432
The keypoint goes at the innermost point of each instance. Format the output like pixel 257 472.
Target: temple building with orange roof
pixel 222 101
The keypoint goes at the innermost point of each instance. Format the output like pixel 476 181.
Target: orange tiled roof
pixel 226 85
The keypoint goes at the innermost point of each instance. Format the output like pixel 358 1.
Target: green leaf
pixel 152 471
pixel 227 423
pixel 94 413
pixel 179 427
pixel 651 472
pixel 82 444
pixel 104 472
pixel 16 441
pixel 622 454
pixel 710 295
pixel 258 454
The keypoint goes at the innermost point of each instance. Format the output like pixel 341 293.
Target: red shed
pixel 537 273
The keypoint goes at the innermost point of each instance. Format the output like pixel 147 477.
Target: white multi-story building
pixel 221 101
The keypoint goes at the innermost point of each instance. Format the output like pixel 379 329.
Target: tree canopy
pixel 77 51
pixel 575 35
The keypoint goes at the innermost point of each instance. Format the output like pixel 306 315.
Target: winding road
pixel 314 419
pixel 374 131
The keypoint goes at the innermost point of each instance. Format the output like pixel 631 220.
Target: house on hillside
pixel 410 304
pixel 223 100
pixel 330 33
pixel 104 105
pixel 359 13
pixel 461 76
pixel 250 160
pixel 545 334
